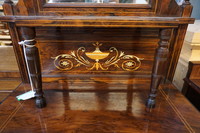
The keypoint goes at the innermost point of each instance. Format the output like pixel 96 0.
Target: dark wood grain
pixel 100 110
pixel 18 51
pixel 186 10
pixel 10 74
pixel 8 66
pixel 97 21
pixel 8 7
pixel 33 64
pixel 193 74
pixel 160 64
pixel 8 10
pixel 131 41
pixel 191 86
pixel 77 25
pixel 92 9
pixel 7 86
pixel 3 96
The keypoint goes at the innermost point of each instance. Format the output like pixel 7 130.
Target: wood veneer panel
pixel 133 41
pixel 3 95
pixel 9 74
pixel 181 107
pixel 8 85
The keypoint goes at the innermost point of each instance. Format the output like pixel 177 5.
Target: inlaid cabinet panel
pixel 137 47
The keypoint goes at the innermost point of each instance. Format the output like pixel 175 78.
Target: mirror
pixel 101 1
pixel 179 2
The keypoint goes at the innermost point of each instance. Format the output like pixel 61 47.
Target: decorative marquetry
pixel 118 59
pixel 138 40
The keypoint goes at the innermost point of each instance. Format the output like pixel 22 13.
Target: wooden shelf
pixel 97 21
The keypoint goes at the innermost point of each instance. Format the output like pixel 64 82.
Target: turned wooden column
pixel 33 60
pixel 160 65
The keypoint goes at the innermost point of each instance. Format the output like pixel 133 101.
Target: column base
pixel 151 103
pixel 40 102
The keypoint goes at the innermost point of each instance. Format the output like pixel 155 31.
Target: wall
pixel 191 47
pixel 190 52
pixel 196 8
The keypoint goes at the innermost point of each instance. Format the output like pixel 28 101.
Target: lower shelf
pixel 102 105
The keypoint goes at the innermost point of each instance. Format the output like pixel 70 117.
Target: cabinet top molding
pixel 97 21
pixel 154 8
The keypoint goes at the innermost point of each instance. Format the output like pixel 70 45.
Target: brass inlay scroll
pixel 78 58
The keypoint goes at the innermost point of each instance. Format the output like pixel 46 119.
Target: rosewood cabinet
pixel 191 86
pixel 139 38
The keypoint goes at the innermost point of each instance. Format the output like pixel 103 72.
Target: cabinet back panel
pixel 139 42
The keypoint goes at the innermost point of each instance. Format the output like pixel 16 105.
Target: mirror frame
pixel 46 4
pixel 95 9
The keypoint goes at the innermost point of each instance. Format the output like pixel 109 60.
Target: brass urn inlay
pixel 78 58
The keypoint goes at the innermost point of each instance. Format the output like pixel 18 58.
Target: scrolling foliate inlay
pixel 93 60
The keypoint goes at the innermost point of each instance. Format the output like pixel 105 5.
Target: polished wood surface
pixel 7 86
pixel 191 87
pixel 165 16
pixel 193 75
pixel 3 96
pixel 8 63
pixel 160 64
pixel 155 7
pixel 128 40
pixel 33 64
pixel 97 21
pixel 100 105
pixel 8 68
pixel 156 14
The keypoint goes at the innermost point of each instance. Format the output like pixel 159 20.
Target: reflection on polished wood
pixel 100 105
pixel 3 95
pixel 7 86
